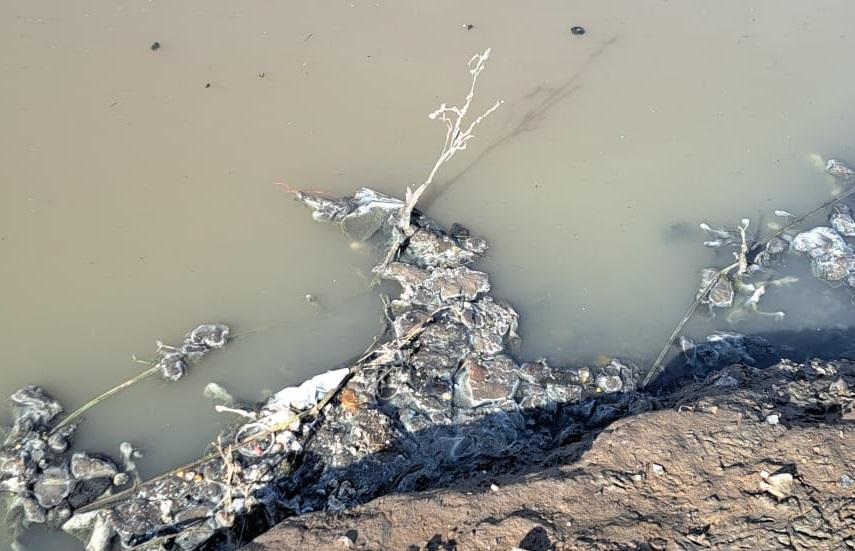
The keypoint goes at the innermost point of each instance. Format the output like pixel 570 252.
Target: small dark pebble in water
pixel 207 85
pixel 262 75
pixel 155 46
pixel 578 31
pixel 468 26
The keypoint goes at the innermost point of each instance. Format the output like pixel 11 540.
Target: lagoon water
pixel 137 194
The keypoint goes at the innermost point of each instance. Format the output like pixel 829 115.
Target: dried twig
pixel 98 399
pixel 742 255
pixel 457 137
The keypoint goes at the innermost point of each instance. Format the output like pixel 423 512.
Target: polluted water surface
pixel 142 143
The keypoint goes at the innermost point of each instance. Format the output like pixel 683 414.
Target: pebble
pixel 779 485
pixel 839 387
pixel 609 383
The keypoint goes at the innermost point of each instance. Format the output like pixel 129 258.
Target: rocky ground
pixel 749 458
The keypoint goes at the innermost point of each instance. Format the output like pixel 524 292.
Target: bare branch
pixel 456 139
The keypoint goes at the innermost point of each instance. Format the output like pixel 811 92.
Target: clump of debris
pixel 46 482
pixel 739 287
pixel 439 395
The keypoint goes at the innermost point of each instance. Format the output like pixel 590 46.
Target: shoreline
pixel 439 397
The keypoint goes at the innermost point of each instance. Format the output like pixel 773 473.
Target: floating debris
pixel 218 393
pixel 839 170
pixel 197 343
pixel 45 484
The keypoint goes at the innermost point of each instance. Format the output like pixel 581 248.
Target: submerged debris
pixel 839 170
pixel 46 483
pixel 832 258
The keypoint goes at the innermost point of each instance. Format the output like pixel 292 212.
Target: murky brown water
pixel 137 186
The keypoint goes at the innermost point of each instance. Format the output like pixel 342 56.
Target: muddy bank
pixel 747 459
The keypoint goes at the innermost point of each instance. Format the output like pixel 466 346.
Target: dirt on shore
pixel 748 459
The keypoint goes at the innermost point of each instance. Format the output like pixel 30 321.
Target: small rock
pixel 52 487
pixel 32 405
pixel 841 220
pixel 839 387
pixel 155 46
pixel 33 513
pixel 535 372
pixel 343 542
pixel 657 469
pixel 779 485
pixel 577 31
pixel 120 479
pixel 494 488
pixel 773 419
pixel 224 519
pixel 846 481
pixel 60 440
pixel 609 383
pixel 818 241
pixel 486 380
pixel 84 467
pixel 58 515
pixel 563 394
pixel 834 266
pixel 94 528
